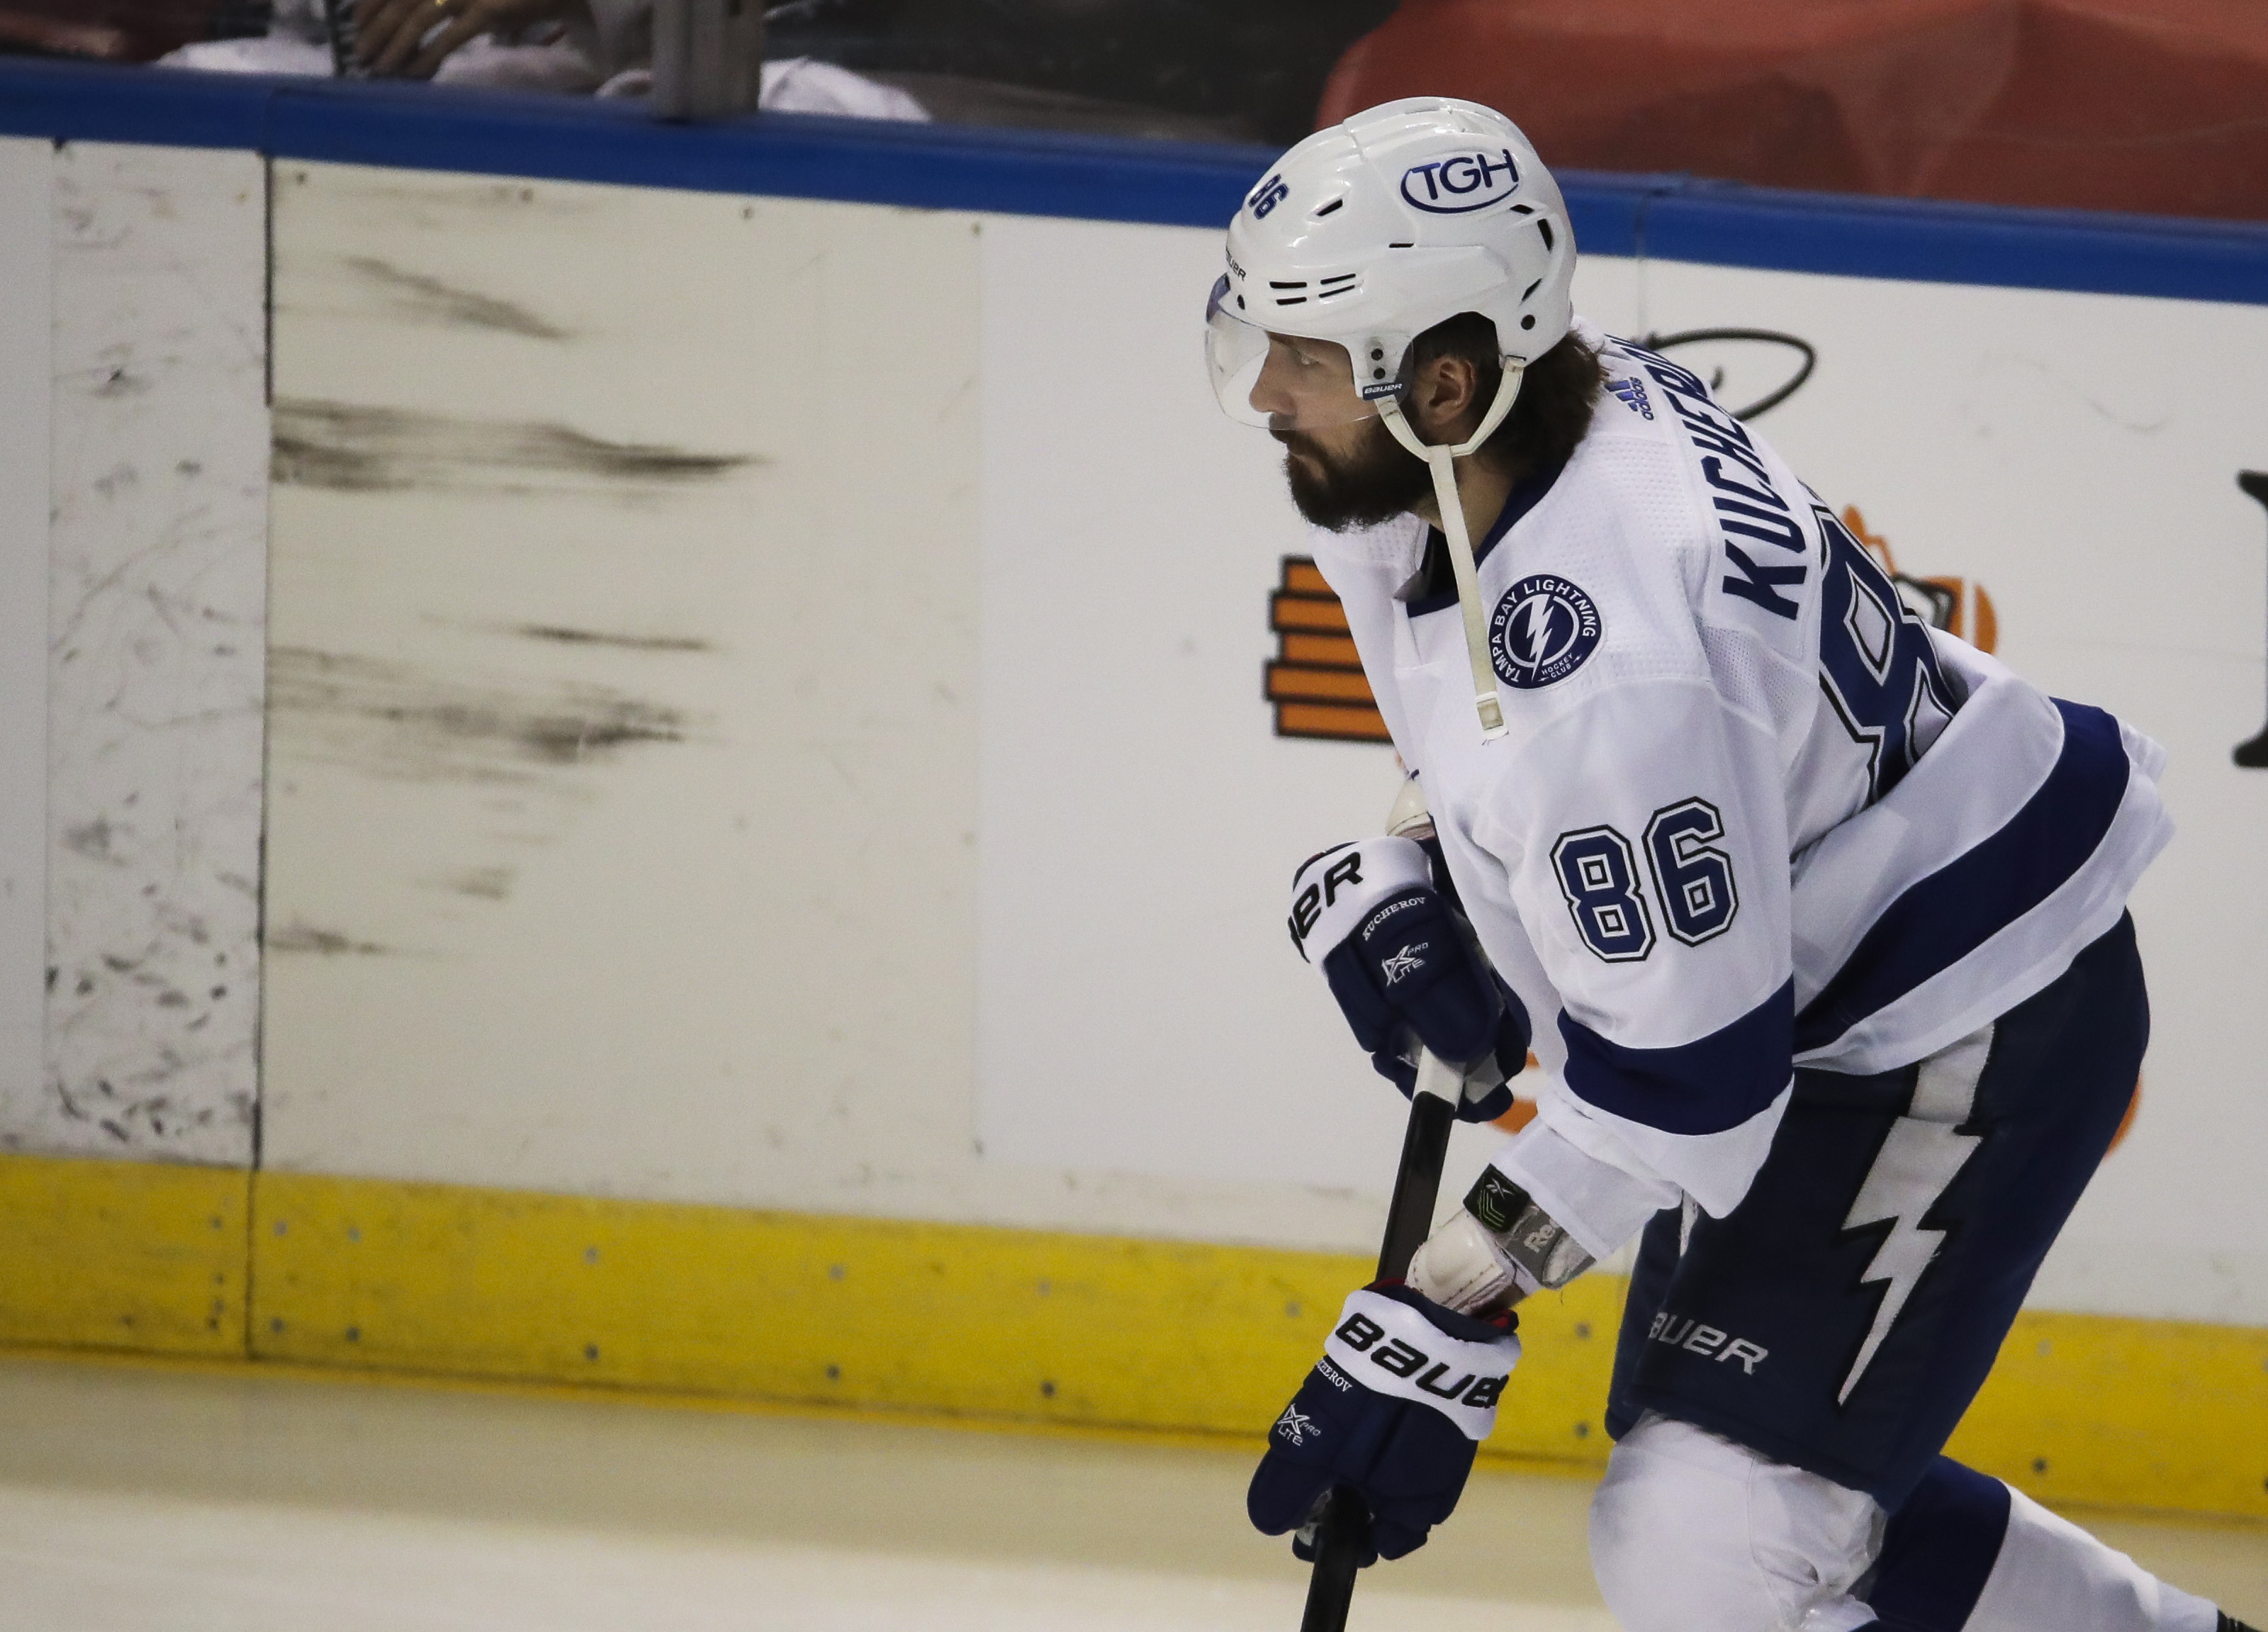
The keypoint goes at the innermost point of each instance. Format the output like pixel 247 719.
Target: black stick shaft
pixel 1416 1182
pixel 1342 1533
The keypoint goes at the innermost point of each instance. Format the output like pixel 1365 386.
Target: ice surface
pixel 147 1498
pixel 76 1561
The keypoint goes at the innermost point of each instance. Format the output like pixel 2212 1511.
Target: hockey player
pixel 1815 918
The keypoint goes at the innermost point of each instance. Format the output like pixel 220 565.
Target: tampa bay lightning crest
pixel 1542 631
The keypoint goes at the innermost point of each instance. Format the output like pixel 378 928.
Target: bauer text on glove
pixel 1403 1395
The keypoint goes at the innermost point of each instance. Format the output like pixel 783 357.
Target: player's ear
pixel 1444 396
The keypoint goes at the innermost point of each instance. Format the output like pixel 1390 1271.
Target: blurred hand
pixel 390 29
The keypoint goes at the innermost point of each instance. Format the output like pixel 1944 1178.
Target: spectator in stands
pixel 577 46
pixel 565 45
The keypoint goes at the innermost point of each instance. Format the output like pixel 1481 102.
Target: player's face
pixel 1308 385
pixel 1344 468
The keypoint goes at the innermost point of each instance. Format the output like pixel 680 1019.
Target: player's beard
pixel 1375 483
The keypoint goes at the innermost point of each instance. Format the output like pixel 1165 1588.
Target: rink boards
pixel 747 673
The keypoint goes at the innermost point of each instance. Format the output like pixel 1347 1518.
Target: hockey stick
pixel 1342 1530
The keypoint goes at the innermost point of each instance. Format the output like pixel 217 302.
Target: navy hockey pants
pixel 1841 1318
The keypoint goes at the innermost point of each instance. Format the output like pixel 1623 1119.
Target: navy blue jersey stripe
pixel 1706 1086
pixel 1945 917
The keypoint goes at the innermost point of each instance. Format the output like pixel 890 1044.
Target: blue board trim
pixel 1931 241
pixel 1095 177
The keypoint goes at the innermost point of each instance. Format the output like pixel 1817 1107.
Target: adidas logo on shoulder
pixel 1632 392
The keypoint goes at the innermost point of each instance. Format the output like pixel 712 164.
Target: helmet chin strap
pixel 1441 459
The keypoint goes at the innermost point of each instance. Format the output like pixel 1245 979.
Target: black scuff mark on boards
pixel 425 297
pixel 485 883
pixel 299 937
pixel 564 636
pixel 96 840
pixel 394 720
pixel 435 201
pixel 354 450
pixel 120 380
pixel 127 1113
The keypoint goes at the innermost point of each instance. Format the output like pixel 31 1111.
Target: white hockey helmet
pixel 1366 236
pixel 1372 231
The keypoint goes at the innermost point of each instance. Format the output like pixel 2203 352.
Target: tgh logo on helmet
pixel 1460 183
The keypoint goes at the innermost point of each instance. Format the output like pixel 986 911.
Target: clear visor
pixel 1277 382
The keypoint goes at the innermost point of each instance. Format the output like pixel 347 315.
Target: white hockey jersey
pixel 1752 812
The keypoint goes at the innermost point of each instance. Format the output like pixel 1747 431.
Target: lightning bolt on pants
pixel 1831 1330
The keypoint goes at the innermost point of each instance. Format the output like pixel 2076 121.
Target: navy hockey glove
pixel 1402 962
pixel 1403 1395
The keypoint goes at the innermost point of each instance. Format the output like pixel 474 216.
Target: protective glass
pixel 1284 381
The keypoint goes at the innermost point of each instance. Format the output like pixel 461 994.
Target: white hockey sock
pixel 2053 1576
